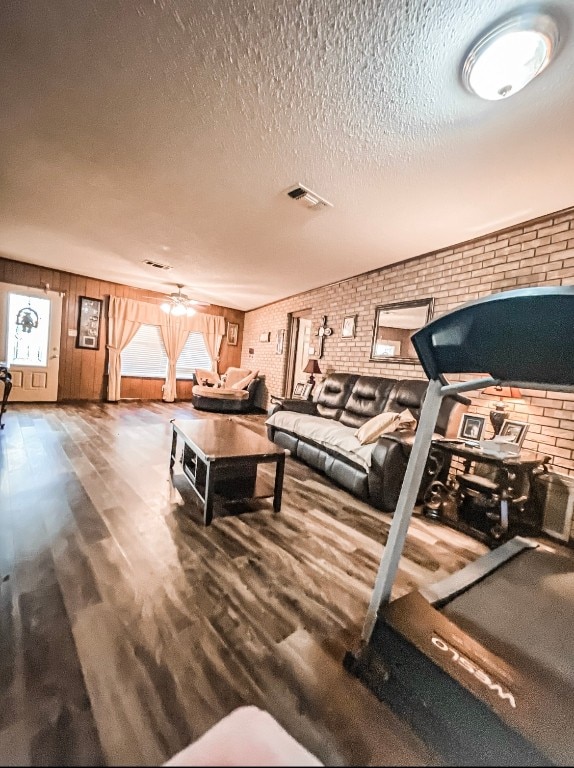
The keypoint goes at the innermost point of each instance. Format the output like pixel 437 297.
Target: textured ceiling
pixel 171 129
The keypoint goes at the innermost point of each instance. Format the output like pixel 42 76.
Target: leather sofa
pixel 350 400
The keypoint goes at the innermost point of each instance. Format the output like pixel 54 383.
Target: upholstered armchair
pixel 233 392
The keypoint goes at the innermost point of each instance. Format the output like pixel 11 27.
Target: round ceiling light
pixel 510 55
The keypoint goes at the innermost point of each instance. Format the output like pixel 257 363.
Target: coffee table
pixel 221 457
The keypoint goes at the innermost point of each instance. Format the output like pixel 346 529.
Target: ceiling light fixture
pixel 179 304
pixel 510 55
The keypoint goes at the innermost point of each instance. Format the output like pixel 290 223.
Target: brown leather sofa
pixel 352 400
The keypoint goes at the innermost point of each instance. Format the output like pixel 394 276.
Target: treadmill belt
pixel 524 612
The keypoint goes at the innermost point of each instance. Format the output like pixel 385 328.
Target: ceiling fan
pixel 179 303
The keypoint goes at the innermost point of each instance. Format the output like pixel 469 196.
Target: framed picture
pixel 471 426
pixel 265 336
pixel 307 389
pixel 298 389
pixel 513 431
pixel 311 351
pixel 89 317
pixel 348 329
pixel 232 334
pixel 280 342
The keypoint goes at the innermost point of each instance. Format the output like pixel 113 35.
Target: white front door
pixel 30 326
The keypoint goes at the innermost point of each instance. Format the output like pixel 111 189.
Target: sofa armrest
pixel 388 466
pixel 293 404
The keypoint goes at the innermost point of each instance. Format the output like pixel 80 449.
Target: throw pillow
pixel 245 382
pixel 233 375
pixel 407 420
pixel 204 376
pixel 372 429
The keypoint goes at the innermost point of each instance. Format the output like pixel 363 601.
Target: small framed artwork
pixel 513 431
pixel 280 342
pixel 265 336
pixel 232 334
pixel 311 351
pixel 471 426
pixel 298 389
pixel 89 317
pixel 348 329
pixel 307 389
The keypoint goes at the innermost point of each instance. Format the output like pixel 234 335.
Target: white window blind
pixel 145 355
pixel 193 355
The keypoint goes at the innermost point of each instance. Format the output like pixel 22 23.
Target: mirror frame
pixel 428 303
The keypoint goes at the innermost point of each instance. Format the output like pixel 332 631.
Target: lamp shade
pixel 510 392
pixel 312 366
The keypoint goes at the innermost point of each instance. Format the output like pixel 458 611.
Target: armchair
pixel 234 392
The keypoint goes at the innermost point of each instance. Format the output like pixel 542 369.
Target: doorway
pixel 30 327
pixel 299 341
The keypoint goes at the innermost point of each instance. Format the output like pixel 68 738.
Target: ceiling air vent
pixel 308 198
pixel 156 264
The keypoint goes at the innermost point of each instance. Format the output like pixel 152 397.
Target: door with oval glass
pixel 30 326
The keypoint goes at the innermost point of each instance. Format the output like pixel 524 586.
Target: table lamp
pixel 500 412
pixel 311 368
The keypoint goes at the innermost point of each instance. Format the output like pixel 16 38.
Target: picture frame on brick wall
pixel 280 341
pixel 349 327
pixel 265 337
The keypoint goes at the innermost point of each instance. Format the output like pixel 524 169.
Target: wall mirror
pixel 394 326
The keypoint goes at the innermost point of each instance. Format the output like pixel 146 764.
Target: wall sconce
pixel 501 411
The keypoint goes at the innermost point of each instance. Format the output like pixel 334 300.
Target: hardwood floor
pixel 128 628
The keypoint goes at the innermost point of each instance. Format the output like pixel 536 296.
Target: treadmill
pixel 482 663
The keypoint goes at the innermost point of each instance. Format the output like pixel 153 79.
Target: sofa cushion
pixel 221 393
pixel 326 432
pixel 233 375
pixel 368 398
pixel 334 393
pixel 377 426
pixel 245 382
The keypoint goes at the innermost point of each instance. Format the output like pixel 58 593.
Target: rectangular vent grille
pixel 156 264
pixel 308 198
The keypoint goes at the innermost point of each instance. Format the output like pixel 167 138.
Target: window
pixel 145 355
pixel 193 355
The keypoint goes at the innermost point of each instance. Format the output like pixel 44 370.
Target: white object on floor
pixel 246 737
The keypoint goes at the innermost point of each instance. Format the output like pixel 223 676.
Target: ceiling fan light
pixel 165 307
pixel 178 309
pixel 190 311
pixel 510 55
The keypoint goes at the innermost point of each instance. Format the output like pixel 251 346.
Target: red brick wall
pixel 535 253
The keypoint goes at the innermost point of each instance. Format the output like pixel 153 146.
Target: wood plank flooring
pixel 128 628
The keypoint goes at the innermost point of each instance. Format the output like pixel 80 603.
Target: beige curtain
pixel 213 334
pixel 174 336
pixel 122 329
pixel 125 317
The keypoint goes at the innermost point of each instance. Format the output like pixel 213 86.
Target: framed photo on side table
pixel 471 426
pixel 513 431
pixel 89 317
pixel 298 389
pixel 348 329
pixel 307 389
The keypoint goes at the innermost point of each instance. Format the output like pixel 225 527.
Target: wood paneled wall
pixel 83 371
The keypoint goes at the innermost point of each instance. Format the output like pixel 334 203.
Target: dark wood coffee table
pixel 221 457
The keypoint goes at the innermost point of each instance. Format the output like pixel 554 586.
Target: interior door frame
pixel 292 336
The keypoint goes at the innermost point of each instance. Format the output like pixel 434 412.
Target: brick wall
pixel 535 253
